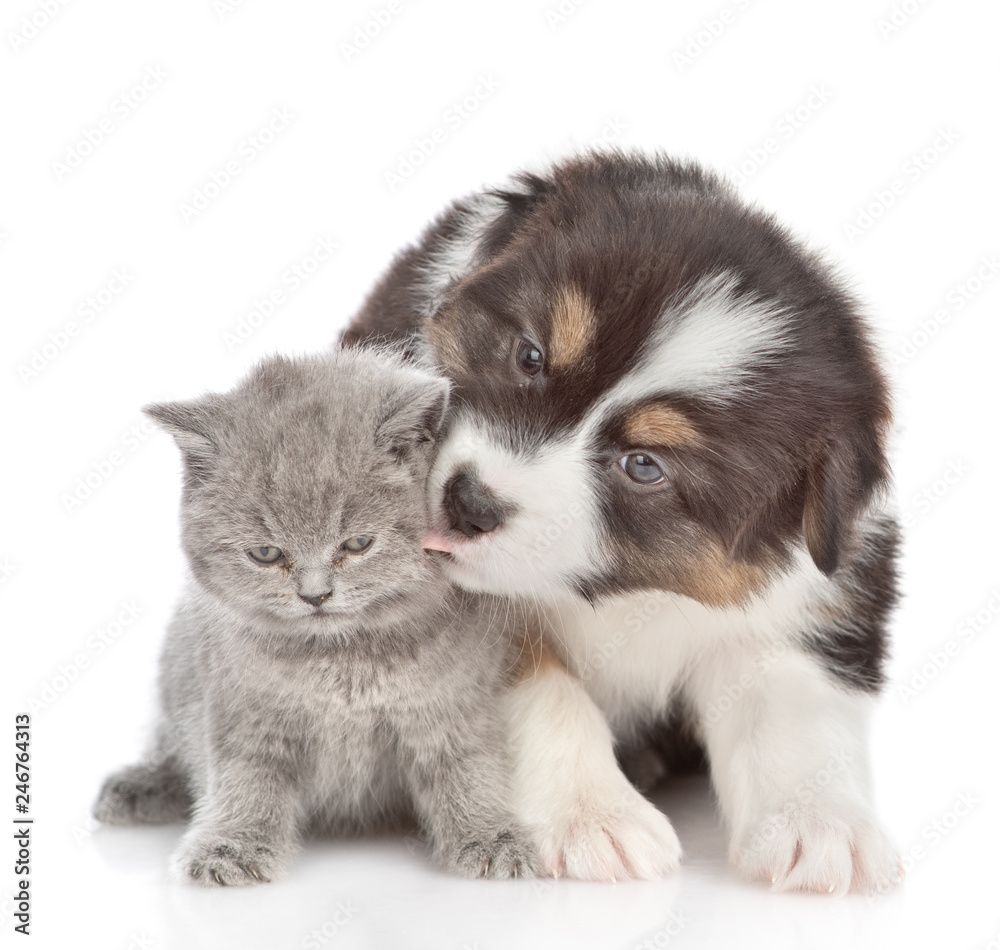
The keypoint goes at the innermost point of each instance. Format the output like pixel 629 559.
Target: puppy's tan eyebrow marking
pixel 573 327
pixel 660 425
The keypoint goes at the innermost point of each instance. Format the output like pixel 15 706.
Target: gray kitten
pixel 320 670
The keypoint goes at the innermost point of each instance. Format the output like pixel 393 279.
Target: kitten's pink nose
pixel 317 599
pixel 434 541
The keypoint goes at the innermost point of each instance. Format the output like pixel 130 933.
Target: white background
pixel 914 103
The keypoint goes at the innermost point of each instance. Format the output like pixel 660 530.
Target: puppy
pixel 669 437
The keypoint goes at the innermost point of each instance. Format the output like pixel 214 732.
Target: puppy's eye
pixel 529 357
pixel 642 468
pixel 266 554
pixel 357 545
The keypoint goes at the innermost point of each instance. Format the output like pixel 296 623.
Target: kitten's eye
pixel 642 468
pixel 266 554
pixel 357 545
pixel 529 357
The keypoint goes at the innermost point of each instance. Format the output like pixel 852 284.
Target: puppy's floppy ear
pixel 839 483
pixel 415 416
pixel 192 425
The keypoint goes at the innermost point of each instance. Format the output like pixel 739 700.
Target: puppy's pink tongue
pixel 433 541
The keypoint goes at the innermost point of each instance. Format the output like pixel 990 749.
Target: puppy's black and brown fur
pixel 661 393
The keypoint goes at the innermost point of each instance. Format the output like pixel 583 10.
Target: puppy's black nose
pixel 470 507
pixel 316 599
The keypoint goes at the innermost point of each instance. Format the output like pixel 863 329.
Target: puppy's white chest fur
pixel 636 652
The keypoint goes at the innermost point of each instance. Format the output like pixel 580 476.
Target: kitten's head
pixel 304 497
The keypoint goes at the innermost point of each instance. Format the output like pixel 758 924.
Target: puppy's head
pixel 655 387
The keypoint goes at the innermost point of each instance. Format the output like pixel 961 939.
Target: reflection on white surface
pixel 384 892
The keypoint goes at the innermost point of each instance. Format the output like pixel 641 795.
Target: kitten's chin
pixel 324 617
pixel 423 594
pixel 308 622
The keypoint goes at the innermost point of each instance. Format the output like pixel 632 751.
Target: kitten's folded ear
pixel 192 425
pixel 415 415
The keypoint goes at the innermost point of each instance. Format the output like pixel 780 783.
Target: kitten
pixel 320 671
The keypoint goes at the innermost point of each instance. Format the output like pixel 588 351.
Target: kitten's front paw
pixel 815 848
pixel 494 855
pixel 609 839
pixel 218 860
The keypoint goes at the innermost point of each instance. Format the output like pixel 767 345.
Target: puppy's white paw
pixel 610 839
pixel 587 819
pixel 816 848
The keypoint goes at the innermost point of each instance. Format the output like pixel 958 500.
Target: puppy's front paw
pixel 220 860
pixel 609 838
pixel 815 848
pixel 505 854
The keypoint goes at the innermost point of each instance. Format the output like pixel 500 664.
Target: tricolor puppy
pixel 668 441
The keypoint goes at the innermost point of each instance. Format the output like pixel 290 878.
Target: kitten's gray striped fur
pixel 331 689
